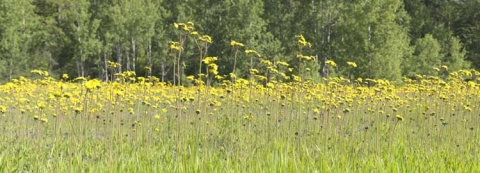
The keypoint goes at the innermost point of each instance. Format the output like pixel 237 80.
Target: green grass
pixel 275 131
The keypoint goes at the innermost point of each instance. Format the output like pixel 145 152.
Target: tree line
pixel 384 38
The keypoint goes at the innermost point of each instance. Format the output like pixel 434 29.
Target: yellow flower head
pixel 282 63
pixel 181 26
pixel 234 43
pixel 210 60
pixel 80 79
pixel 175 46
pixel 147 68
pixel 233 76
pixel 399 117
pixel 39 72
pixel 331 63
pixel 445 67
pixel 91 84
pixel 270 85
pixel 266 62
pixel 301 40
pixel 206 39
pixel 253 52
pixel 353 64
pixel 218 77
pixel 112 64
pixel 3 109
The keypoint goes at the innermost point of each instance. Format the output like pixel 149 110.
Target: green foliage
pixel 374 35
pixel 442 20
pixel 18 24
pixel 456 58
pixel 467 29
pixel 426 56
pixel 80 37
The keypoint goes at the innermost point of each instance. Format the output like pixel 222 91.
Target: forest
pixel 386 39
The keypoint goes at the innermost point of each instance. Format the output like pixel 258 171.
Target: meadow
pixel 138 124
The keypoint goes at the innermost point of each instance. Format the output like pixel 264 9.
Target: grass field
pixel 138 125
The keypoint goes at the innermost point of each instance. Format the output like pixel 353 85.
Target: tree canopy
pixel 386 38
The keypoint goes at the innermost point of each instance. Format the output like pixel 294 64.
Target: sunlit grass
pixel 138 124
